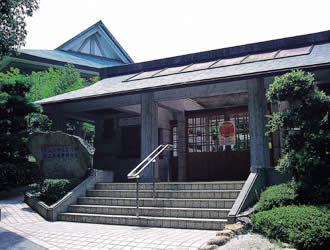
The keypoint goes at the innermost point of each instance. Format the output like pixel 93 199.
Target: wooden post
pixel 257 109
pixel 149 131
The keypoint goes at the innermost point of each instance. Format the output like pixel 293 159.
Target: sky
pixel 153 29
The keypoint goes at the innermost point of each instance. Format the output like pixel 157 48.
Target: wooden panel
pixel 219 166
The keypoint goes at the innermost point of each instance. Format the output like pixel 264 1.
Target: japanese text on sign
pixel 227 133
pixel 59 153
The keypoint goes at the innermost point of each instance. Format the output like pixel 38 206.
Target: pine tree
pixel 14 108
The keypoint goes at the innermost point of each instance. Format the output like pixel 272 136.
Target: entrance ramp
pixel 191 205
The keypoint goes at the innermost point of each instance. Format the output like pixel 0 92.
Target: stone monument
pixel 61 155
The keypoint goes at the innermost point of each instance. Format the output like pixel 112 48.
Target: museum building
pixel 210 106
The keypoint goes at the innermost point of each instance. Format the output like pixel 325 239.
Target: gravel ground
pixel 251 241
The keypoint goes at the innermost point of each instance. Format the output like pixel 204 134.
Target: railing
pixel 135 173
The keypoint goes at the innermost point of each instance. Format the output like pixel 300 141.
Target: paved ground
pixel 23 222
pixel 10 240
pixel 22 228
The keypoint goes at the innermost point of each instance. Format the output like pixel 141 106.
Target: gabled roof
pixel 89 51
pixel 96 41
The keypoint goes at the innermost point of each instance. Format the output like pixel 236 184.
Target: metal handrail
pixel 135 173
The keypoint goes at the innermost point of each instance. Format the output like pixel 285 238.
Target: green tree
pixel 54 82
pixel 49 83
pixel 14 108
pixel 45 84
pixel 15 169
pixel 12 23
pixel 307 138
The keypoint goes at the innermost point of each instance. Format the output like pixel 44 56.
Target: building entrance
pixel 208 159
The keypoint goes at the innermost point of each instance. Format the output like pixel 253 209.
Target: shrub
pixel 304 227
pixel 51 190
pixel 12 175
pixel 306 129
pixel 276 196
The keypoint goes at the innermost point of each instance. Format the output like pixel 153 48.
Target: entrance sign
pixel 60 155
pixel 59 152
pixel 227 133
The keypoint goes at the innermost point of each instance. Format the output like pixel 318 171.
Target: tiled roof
pixel 320 55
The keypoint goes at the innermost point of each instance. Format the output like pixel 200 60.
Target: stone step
pixel 207 213
pixel 157 202
pixel 182 194
pixel 224 185
pixel 191 223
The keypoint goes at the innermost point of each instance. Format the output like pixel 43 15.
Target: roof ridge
pixel 99 27
pixel 223 53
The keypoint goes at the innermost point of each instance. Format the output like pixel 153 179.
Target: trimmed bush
pixel 306 130
pixel 304 227
pixel 51 190
pixel 277 196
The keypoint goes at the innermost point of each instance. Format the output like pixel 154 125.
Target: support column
pixel 59 121
pixel 149 131
pixel 78 131
pixel 98 159
pixel 182 147
pixel 259 154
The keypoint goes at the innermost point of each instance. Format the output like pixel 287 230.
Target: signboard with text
pixel 60 153
pixel 227 133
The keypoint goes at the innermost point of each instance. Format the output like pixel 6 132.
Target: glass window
pixel 203 131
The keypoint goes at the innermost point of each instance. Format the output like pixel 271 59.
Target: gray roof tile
pixel 115 85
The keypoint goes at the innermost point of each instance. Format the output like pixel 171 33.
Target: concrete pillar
pixel 164 137
pixel 182 146
pixel 98 159
pixel 149 131
pixel 259 153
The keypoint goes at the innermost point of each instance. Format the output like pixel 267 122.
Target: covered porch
pixel 130 126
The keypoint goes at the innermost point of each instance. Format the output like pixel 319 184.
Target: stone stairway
pixel 193 205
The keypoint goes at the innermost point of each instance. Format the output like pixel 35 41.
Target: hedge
pixel 304 227
pixel 277 196
pixel 51 190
